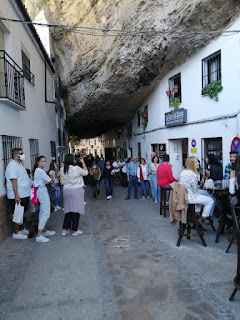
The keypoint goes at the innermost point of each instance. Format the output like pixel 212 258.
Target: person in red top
pixel 164 173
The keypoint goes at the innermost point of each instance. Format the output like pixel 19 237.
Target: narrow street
pixel 125 266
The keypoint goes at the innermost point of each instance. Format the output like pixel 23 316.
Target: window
pixel 34 151
pixel 138 119
pixel 53 150
pixel 9 143
pixel 95 142
pixel 213 146
pixel 26 68
pixel 211 68
pixel 139 151
pixel 145 110
pixel 129 131
pixel 175 81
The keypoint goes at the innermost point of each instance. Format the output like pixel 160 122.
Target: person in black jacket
pixel 215 171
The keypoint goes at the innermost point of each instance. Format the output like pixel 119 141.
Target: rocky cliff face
pixel 105 78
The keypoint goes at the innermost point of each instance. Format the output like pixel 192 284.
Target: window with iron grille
pixel 53 150
pixel 213 146
pixel 138 119
pixel 26 69
pixel 34 151
pixel 173 82
pixel 9 143
pixel 211 68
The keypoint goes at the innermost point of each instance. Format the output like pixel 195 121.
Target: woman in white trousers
pixel 189 179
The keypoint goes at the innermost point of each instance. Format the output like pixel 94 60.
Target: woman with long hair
pixel 41 179
pixel 189 178
pixel 155 188
pixel 108 175
pixel 94 178
pixel 73 194
pixel 142 174
pixel 214 170
pixel 54 173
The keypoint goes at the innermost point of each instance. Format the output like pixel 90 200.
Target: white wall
pixel 199 108
pixel 38 121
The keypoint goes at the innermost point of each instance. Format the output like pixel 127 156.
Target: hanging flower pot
pixel 168 93
pixel 175 89
pixel 144 115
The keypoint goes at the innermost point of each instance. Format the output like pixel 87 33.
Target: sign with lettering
pixel 162 150
pixel 177 118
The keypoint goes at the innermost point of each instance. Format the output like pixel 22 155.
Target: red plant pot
pixel 175 89
pixel 168 93
pixel 144 115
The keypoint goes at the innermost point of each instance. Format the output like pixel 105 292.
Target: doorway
pixel 178 154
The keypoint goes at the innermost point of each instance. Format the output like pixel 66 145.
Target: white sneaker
pixel 59 208
pixel 85 202
pixel 156 201
pixel 76 233
pixel 19 236
pixel 55 209
pixel 25 231
pixel 48 233
pixel 110 197
pixel 63 209
pixel 42 239
pixel 65 232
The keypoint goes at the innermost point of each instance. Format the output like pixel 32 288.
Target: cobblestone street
pixel 125 266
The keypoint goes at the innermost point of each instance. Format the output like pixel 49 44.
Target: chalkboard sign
pixel 179 117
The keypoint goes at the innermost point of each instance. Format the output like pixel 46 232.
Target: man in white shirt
pixel 116 165
pixel 18 189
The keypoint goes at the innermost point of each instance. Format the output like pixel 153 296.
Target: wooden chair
pixel 163 202
pixel 192 223
pixel 236 224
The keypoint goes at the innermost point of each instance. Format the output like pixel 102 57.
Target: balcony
pixel 11 82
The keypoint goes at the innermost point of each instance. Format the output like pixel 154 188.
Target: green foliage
pixel 212 89
pixel 175 102
pixel 144 126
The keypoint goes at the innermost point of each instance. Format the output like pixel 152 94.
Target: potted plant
pixel 175 89
pixel 144 126
pixel 174 103
pixel 212 89
pixel 168 93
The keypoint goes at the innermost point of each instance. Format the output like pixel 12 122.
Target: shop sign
pixel 179 117
pixel 194 150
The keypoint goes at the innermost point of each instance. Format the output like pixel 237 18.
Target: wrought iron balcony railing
pixel 11 80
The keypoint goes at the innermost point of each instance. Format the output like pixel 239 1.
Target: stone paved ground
pixel 125 266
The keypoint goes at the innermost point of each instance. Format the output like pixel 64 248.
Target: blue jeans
pixel 109 185
pixel 96 188
pixel 132 180
pixel 144 185
pixel 206 193
pixel 57 194
pixel 156 191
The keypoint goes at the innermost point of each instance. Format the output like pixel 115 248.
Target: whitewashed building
pixel 206 125
pixel 31 115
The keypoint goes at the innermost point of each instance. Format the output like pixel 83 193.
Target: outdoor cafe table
pixel 223 196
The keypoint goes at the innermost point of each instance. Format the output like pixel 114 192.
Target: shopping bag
pixel 33 197
pixel 18 213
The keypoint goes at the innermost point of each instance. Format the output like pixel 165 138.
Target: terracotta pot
pixel 144 115
pixel 175 89
pixel 168 93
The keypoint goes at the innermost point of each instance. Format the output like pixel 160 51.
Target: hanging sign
pixel 235 146
pixel 176 118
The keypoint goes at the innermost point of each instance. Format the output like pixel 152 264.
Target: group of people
pixel 70 178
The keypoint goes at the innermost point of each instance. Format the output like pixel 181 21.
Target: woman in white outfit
pixel 189 178
pixel 41 179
